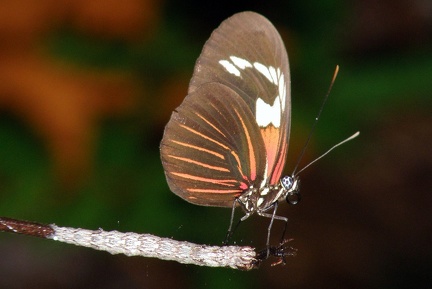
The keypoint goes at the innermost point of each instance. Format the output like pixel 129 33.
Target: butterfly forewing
pixel 212 149
pixel 247 54
pixel 231 131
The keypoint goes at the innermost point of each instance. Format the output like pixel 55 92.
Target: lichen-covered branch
pixel 134 244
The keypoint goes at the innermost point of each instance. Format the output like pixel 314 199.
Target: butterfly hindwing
pixel 212 149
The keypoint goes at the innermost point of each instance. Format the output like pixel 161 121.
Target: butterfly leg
pixel 272 217
pixel 230 230
pixel 280 252
pixel 284 231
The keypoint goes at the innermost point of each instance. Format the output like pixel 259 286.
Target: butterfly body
pixel 263 198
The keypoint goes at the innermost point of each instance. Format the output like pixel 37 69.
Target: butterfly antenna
pixel 332 148
pixel 316 121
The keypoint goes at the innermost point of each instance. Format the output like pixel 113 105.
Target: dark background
pixel 86 88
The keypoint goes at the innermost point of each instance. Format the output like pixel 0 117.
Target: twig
pixel 146 245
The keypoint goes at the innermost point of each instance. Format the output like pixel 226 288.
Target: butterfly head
pixel 291 188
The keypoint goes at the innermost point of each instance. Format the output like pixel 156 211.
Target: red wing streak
pixel 271 137
pixel 213 181
pixel 207 180
pixel 210 124
pixel 239 167
pixel 277 172
pixel 199 149
pixel 191 161
pixel 250 149
pixel 215 191
pixel 204 136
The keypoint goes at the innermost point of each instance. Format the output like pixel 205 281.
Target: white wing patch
pixel 282 90
pixel 268 114
pixel 240 62
pixel 230 67
pixel 263 70
pixel 265 114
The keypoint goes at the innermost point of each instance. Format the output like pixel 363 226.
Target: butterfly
pixel 227 142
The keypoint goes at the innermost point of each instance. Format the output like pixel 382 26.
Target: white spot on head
pixel 240 62
pixel 230 67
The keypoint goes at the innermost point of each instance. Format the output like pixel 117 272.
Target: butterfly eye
pixel 293 198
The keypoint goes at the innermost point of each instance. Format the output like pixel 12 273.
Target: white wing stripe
pixel 229 67
pixel 240 62
pixel 263 70
pixel 282 91
pixel 273 74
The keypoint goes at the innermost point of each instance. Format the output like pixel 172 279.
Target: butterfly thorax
pixel 261 199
